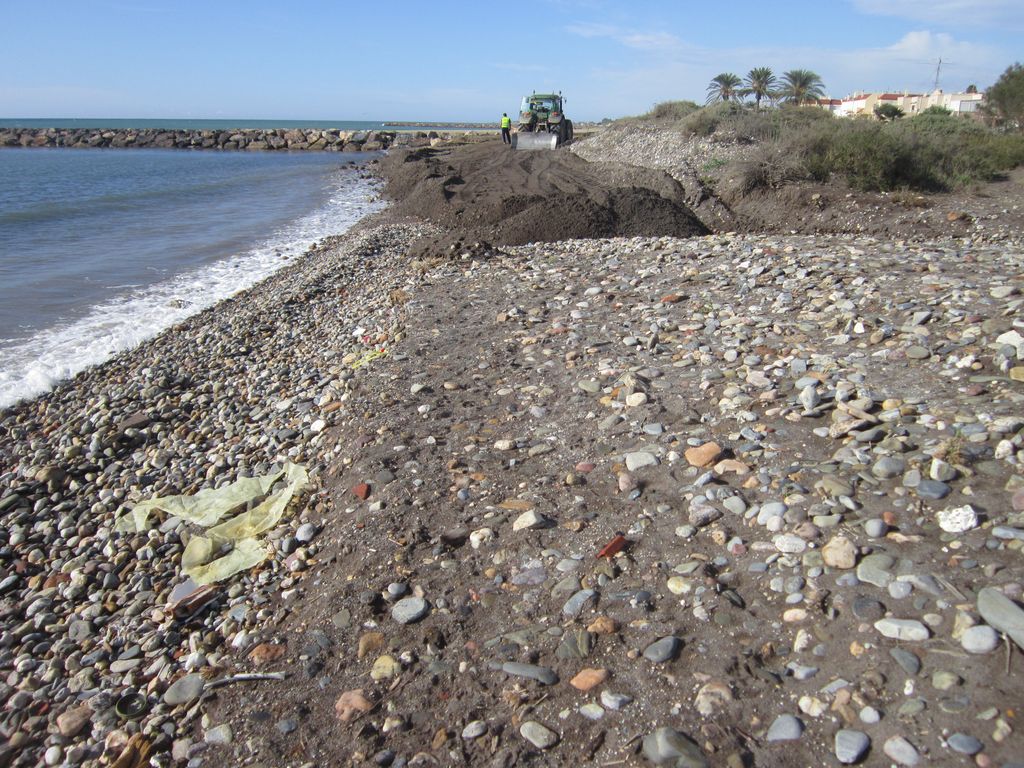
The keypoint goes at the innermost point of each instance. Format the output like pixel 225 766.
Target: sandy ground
pixel 480 420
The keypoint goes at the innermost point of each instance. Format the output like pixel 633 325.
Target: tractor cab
pixel 541 104
pixel 541 113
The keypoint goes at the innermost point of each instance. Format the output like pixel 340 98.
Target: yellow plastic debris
pixel 206 509
pixel 369 357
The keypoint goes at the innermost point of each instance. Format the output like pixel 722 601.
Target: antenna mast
pixel 938 69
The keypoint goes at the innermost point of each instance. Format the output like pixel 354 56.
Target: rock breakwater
pixel 253 139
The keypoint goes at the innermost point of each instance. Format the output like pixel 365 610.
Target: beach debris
pixel 200 560
pixel 613 547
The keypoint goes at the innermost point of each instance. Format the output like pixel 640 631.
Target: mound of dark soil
pixel 493 194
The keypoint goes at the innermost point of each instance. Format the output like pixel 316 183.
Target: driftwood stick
pixel 246 678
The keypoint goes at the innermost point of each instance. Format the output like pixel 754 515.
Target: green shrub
pixel 928 152
pixel 768 166
pixel 672 110
pixel 707 121
pixel 773 124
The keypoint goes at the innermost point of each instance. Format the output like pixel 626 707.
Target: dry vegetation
pixel 934 151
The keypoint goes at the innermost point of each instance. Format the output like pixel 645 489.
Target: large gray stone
pixel 639 460
pixel 888 467
pixel 1001 613
pixel 665 649
pixel 542 675
pixel 874 569
pixel 538 735
pixel 574 605
pixel 785 728
pixel 933 490
pixel 901 751
pixel 185 690
pixel 667 746
pixel 965 744
pixel 851 746
pixel 409 610
pixel 979 639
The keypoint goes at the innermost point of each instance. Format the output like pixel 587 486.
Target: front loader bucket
pixel 527 141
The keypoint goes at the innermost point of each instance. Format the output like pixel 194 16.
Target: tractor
pixel 542 123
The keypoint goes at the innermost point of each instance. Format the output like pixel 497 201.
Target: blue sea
pixel 102 249
pixel 185 124
pixel 218 125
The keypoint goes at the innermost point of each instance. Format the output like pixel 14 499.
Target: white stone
pixel 789 543
pixel 474 730
pixel 529 520
pixel 640 459
pixel 1012 338
pixel 903 629
pixel 812 706
pixel 479 536
pixel 958 519
pixel 979 639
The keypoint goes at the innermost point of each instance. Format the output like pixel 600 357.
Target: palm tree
pixel 723 87
pixel 760 82
pixel 802 85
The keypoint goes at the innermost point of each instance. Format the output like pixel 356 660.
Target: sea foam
pixel 35 365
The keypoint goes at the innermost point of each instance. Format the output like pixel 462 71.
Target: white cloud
pixel 652 41
pixel 644 41
pixel 911 62
pixel 590 30
pixel 959 13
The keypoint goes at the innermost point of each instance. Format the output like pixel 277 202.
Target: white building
pixel 863 104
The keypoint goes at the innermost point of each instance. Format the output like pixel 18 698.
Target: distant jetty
pixel 252 139
pixel 443 126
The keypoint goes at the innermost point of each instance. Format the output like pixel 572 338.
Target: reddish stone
pixel 588 678
pixel 703 455
pixel 264 653
pixel 362 490
pixel 613 547
pixel 350 704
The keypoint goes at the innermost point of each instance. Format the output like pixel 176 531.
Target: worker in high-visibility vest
pixel 506 128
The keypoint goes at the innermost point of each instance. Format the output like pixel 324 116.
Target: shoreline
pixel 735 405
pixel 192 267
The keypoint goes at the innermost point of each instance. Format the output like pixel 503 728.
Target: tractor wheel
pixel 559 130
pixel 568 131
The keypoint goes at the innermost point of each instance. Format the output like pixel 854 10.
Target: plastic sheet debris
pixel 202 560
pixel 369 357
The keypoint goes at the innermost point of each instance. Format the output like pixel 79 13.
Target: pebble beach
pixel 729 499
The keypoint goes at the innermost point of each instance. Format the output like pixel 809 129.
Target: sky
pixel 441 60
